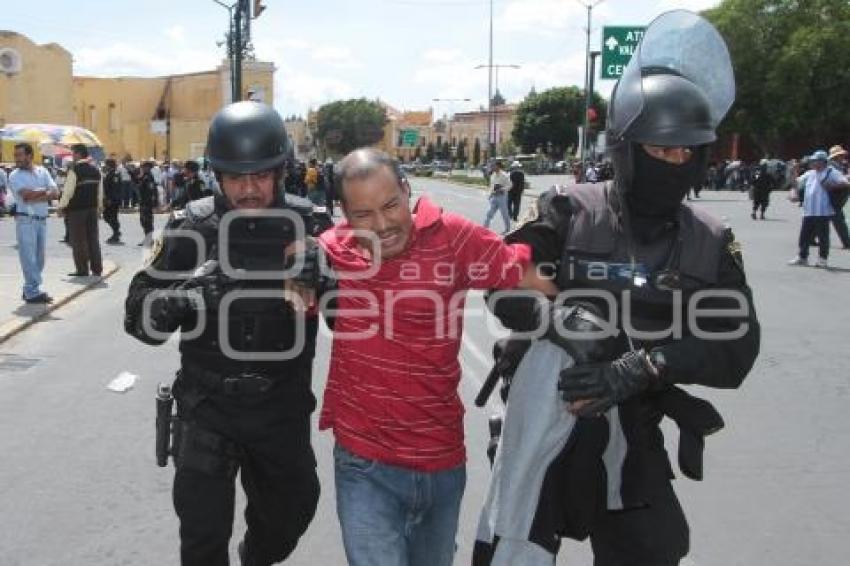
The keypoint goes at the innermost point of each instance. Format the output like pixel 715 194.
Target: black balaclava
pixel 658 187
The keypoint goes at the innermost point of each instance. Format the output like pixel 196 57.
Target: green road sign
pixel 410 138
pixel 618 46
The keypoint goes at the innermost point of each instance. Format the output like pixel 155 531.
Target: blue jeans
pixel 32 237
pixel 498 202
pixel 393 516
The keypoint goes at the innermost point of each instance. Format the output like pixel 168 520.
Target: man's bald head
pixel 363 163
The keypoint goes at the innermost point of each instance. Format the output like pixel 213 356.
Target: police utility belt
pixel 229 383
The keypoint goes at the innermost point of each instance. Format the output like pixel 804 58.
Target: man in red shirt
pixel 391 397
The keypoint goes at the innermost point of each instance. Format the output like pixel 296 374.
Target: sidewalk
pixel 15 314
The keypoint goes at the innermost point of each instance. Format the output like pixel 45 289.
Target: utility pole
pixel 593 56
pixel 238 40
pixel 587 78
pixel 491 119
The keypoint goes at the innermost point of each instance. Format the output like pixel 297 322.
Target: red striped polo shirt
pixel 392 390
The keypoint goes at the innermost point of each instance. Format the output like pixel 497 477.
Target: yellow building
pixel 35 81
pixel 160 117
pixel 471 126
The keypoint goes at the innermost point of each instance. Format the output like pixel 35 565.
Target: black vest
pixel 266 324
pixel 85 191
pixel 651 283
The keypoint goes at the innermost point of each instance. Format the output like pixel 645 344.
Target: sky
pixel 405 52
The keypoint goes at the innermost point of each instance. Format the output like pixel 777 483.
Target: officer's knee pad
pixel 205 451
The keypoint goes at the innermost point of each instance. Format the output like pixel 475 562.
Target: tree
pixel 551 119
pixel 429 152
pixel 476 153
pixel 461 152
pixel 791 88
pixel 345 125
pixel 446 151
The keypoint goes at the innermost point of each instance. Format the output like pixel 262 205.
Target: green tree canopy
pixel 429 152
pixel 790 67
pixel 476 153
pixel 461 151
pixel 550 119
pixel 345 125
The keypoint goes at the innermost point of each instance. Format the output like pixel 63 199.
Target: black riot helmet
pixel 674 92
pixel 676 113
pixel 247 137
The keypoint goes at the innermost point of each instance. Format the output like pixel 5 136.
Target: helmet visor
pixel 682 43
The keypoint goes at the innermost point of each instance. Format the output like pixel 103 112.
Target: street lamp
pixel 587 78
pixel 448 120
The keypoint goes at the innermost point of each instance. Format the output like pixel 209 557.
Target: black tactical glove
pixel 168 312
pixel 210 283
pixel 606 384
pixel 578 329
pixel 311 259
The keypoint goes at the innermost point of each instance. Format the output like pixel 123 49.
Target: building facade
pixel 140 117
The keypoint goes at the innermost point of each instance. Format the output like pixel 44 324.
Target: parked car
pixel 439 165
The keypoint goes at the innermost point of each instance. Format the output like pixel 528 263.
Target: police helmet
pixel 247 137
pixel 675 113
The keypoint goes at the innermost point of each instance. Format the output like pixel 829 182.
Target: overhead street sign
pixel 618 46
pixel 409 138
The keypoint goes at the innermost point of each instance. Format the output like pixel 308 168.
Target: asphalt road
pixel 78 483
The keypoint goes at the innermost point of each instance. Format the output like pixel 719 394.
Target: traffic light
pixel 258 8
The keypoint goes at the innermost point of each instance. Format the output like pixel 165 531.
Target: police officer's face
pixel 378 205
pixel 672 155
pixel 249 191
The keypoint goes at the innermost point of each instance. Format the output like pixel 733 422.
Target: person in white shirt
pixel 499 185
pixel 32 187
pixel 814 186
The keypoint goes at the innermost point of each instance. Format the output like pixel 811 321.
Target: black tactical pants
pixel 657 535
pixel 110 216
pixel 146 218
pixel 514 203
pixel 271 451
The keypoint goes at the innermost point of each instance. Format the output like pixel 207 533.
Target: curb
pixel 14 327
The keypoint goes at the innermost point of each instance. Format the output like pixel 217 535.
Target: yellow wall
pixel 41 92
pixel 119 110
pixel 191 100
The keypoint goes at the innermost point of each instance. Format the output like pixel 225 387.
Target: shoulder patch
pixel 200 209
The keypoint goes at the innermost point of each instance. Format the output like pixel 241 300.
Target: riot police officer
pixel 148 198
pixel 112 199
pixel 193 187
pixel 243 389
pixel 646 260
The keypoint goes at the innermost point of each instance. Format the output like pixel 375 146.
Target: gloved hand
pixel 168 312
pixel 211 283
pixel 606 383
pixel 309 255
pixel 579 329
